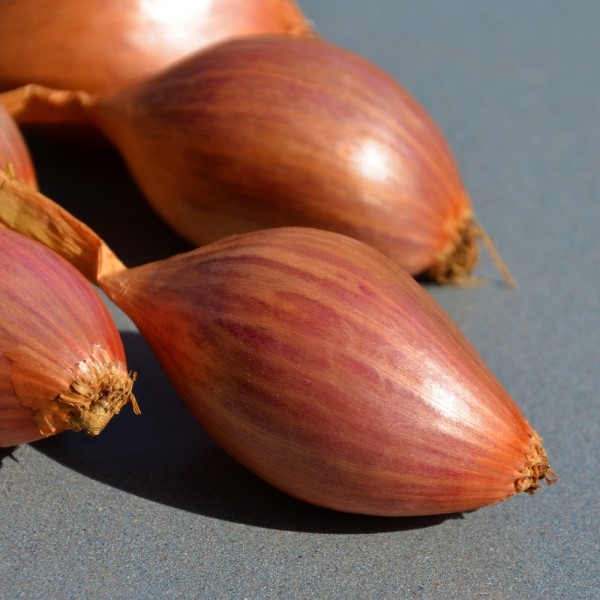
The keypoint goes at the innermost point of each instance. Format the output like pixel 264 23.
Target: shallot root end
pixel 488 242
pixel 99 391
pixel 536 469
pixel 455 265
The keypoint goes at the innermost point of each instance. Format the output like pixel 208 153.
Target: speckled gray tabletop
pixel 153 509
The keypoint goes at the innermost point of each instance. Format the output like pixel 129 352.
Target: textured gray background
pixel 153 509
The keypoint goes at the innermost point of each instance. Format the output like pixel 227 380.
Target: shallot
pixel 62 363
pixel 273 131
pixel 320 365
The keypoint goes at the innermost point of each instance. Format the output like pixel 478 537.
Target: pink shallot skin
pixel 277 130
pixel 14 154
pixel 325 369
pixel 52 322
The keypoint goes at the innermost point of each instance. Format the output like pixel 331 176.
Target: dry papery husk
pixel 419 214
pixel 318 364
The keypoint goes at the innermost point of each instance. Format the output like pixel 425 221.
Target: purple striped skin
pixel 326 370
pixel 51 319
pixel 275 131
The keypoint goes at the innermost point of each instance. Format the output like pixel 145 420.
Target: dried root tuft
pixel 101 388
pixel 536 469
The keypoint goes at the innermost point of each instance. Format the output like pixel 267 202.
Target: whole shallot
pixel 62 364
pixel 275 131
pixel 319 364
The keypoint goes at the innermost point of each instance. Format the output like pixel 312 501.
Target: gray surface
pixel 153 509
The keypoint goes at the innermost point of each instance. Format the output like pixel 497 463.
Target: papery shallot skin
pixel 14 154
pixel 325 369
pixel 58 342
pixel 100 45
pixel 277 131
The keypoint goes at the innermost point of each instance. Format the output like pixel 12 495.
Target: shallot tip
pixel 101 388
pixel 536 469
pixel 455 265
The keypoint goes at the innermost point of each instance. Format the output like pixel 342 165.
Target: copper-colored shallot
pixel 276 131
pixel 319 364
pixel 97 45
pixel 62 363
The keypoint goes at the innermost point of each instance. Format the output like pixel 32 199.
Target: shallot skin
pixel 97 45
pixel 14 151
pixel 276 131
pixel 328 371
pixel 56 338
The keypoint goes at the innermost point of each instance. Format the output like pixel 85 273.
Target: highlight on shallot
pixel 97 45
pixel 276 131
pixel 319 364
pixel 14 154
pixel 62 363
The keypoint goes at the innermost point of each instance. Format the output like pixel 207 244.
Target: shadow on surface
pixel 6 453
pixel 165 456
